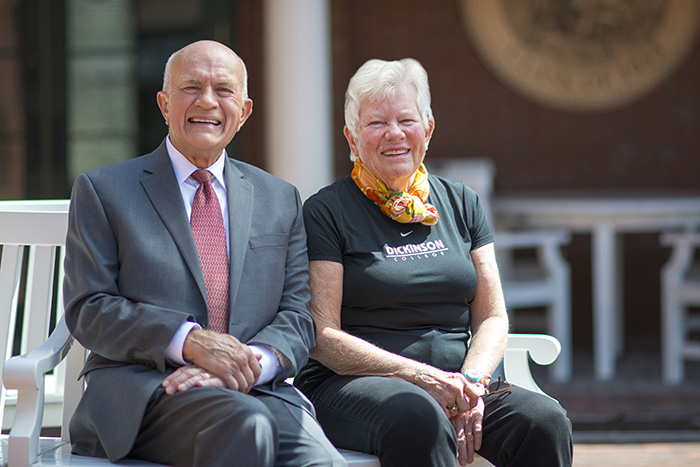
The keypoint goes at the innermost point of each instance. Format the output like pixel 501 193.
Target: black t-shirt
pixel 407 288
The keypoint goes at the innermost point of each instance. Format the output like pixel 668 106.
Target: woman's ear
pixel 352 142
pixel 429 132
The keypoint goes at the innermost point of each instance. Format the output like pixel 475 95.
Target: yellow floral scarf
pixel 402 206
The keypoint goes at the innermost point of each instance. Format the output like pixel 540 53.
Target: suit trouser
pixel 219 427
pixel 404 426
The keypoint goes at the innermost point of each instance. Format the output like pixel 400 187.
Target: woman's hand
pixel 468 427
pixel 463 405
pixel 189 376
pixel 450 390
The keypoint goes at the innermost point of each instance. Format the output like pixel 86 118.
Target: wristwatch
pixel 476 376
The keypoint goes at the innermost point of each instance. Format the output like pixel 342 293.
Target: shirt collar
pixel 184 168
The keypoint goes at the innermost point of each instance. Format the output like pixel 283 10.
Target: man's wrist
pixel 270 364
pixel 175 352
pixel 194 343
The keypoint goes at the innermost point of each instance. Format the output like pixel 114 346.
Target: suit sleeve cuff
pixel 173 352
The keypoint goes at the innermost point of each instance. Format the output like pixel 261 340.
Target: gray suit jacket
pixel 133 277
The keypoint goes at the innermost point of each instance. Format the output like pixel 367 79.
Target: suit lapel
pixel 160 185
pixel 240 215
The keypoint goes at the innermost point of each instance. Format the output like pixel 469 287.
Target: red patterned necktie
pixel 210 237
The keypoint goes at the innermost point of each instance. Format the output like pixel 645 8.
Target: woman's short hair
pixel 380 79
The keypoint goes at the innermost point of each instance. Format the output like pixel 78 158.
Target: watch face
pixel 582 55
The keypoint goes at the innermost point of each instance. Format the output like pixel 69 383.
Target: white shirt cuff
pixel 269 363
pixel 173 352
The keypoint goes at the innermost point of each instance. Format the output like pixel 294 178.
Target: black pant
pixel 404 426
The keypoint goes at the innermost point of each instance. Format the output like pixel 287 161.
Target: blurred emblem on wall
pixel 582 55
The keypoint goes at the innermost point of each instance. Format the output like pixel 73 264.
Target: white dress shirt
pixel 269 363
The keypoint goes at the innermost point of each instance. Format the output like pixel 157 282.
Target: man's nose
pixel 207 97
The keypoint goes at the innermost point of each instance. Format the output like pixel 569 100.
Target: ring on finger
pixel 454 408
pixel 469 433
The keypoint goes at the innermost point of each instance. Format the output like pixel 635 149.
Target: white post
pixel 298 94
pixel 605 300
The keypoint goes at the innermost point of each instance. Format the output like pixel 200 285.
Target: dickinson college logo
pixel 414 251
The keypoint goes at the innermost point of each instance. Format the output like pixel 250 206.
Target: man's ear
pixel 162 99
pixel 246 110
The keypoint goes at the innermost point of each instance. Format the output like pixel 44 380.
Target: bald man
pixel 188 360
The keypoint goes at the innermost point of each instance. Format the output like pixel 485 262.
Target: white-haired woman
pixel 407 299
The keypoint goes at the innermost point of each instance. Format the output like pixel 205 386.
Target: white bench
pixel 39 228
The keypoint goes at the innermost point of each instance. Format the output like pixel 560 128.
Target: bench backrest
pixel 32 236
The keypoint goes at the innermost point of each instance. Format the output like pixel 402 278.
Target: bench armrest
pixel 691 239
pixel 25 373
pixel 680 263
pixel 541 348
